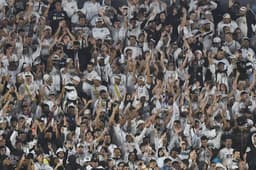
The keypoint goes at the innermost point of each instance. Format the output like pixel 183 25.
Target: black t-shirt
pixel 55 17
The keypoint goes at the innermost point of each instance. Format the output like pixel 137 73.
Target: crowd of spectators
pixel 127 85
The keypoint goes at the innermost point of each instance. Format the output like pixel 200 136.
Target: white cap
pixel 48 27
pixel 243 9
pixel 140 122
pixel 99 19
pixel 55 57
pixel 59 150
pixel 46 77
pixel 87 112
pixel 219 165
pixel 199 51
pixel 142 78
pixel 80 144
pixel 71 105
pixel 72 95
pixel 28 74
pixel 97 78
pixel 117 77
pixel 216 40
pixel 208 12
pixel 70 87
pixel 69 60
pixel 226 15
pixel 76 78
pixel 184 109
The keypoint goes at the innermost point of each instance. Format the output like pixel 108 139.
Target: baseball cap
pixel 226 15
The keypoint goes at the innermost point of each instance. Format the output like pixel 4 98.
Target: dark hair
pixel 6 47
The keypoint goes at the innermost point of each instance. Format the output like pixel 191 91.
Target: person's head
pixel 228 142
pixel 226 18
pixel 120 165
pixel 220 54
pixel 223 88
pixel 99 22
pixel 80 148
pixel 153 163
pixel 174 152
pixel 132 40
pixel 97 81
pixel 3 123
pixel 245 42
pixel 132 156
pixel 228 37
pixel 47 31
pixel 66 39
pixel 82 20
pixel 47 79
pixel 107 139
pixel 141 80
pixel 141 37
pixel 183 145
pixel 60 153
pixel 58 6
pixel 176 124
pixel 176 164
pixel 89 67
pixel 184 164
pixel 243 11
pixel 243 96
pixel 162 16
pixel 129 138
pixel 117 153
pixel 2 142
pixel 152 24
pixel 168 162
pixel 103 94
pixel 8 49
pixel 221 66
pixel 238 33
pixel 133 22
pixel 160 152
pixel 236 154
pixel 40 157
pixel 193 155
pixel 204 141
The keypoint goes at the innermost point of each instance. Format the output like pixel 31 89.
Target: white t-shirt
pixel 100 33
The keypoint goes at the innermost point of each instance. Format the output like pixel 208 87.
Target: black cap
pixel 204 138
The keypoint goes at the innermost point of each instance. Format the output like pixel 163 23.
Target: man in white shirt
pixel 69 6
pixel 100 31
pixel 226 153
pixel 91 9
pixel 117 90
pixel 226 22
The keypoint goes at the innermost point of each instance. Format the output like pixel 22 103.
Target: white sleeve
pixel 145 46
pixel 187 130
pixel 213 5
pixel 120 134
pixel 13 138
pixel 77 133
pixel 37 52
pixel 175 115
pixel 159 44
pixel 139 138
